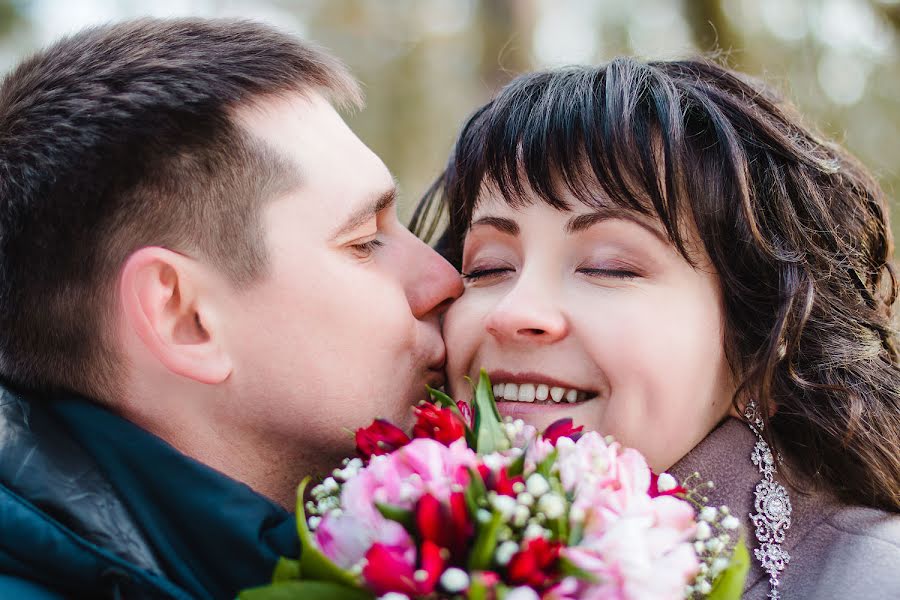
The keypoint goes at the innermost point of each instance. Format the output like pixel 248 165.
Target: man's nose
pixel 528 314
pixel 432 284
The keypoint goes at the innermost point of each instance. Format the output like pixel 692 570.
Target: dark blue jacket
pixel 92 506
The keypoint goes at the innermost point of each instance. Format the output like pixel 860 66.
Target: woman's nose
pixel 528 314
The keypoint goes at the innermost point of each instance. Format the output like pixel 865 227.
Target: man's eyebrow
pixel 580 223
pixel 362 215
pixel 505 225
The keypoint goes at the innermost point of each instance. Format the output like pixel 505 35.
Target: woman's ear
pixel 165 305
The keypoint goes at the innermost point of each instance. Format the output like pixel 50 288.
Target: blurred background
pixel 426 64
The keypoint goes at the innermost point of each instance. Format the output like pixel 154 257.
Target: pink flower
pixel 423 466
pixel 636 545
pixel 636 558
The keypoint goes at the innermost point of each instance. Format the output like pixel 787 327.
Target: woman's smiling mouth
pixel 531 388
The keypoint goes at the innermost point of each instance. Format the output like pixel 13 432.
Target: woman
pixel 662 252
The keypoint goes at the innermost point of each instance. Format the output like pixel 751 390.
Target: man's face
pixel 344 326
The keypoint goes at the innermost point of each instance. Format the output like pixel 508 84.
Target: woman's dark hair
pixel 796 229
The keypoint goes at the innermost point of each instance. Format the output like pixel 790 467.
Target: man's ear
pixel 165 304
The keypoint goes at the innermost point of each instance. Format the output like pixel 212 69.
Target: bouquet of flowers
pixel 473 506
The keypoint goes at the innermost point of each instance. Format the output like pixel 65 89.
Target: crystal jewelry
pixel 773 506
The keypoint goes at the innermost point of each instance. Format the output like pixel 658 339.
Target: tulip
pixel 446 526
pixel 537 565
pixel 381 437
pixel 440 424
pixel 388 569
pixel 561 428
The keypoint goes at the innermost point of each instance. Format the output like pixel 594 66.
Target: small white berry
pixel 537 485
pixel 455 580
pixel 666 483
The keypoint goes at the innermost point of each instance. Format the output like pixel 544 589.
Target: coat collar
pixel 212 535
pixel 723 457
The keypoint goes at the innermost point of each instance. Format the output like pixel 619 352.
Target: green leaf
pixel 485 543
pixel 395 513
pixel 517 467
pixel 490 436
pixel 313 564
pixel 729 585
pixel 300 590
pixel 477 590
pixel 546 466
pixel 286 569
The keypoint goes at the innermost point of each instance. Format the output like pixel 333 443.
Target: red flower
pixel 381 437
pixel 561 428
pixel 537 565
pixel 440 424
pixel 499 482
pixel 446 526
pixel 388 570
pixel 654 488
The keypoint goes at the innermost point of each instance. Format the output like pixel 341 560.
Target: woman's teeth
pixel 529 392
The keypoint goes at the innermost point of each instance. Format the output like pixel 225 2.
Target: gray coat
pixel 837 550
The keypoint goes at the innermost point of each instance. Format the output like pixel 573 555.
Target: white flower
pixel 719 565
pixel 525 499
pixel 730 522
pixel 523 513
pixel 666 483
pixel 505 505
pixel 522 593
pixel 704 587
pixel 537 485
pixel 552 505
pixel 505 552
pixel 708 513
pixel 394 596
pixel 534 530
pixel 703 530
pixel 455 580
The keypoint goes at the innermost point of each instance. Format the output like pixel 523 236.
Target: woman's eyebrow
pixel 505 225
pixel 580 223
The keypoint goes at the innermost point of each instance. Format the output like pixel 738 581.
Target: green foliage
pixel 490 436
pixel 485 543
pixel 293 590
pixel 313 564
pixel 730 583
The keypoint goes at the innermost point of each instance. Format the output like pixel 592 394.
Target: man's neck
pixel 270 466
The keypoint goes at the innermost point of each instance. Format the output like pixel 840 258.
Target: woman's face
pixel 600 309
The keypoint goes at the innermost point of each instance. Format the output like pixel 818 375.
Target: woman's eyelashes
pixel 478 274
pixel 616 273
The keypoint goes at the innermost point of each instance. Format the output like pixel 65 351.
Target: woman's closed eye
pixel 617 273
pixel 487 272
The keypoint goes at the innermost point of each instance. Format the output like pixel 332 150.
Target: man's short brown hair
pixel 120 137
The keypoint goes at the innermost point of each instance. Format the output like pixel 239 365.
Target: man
pixel 203 286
